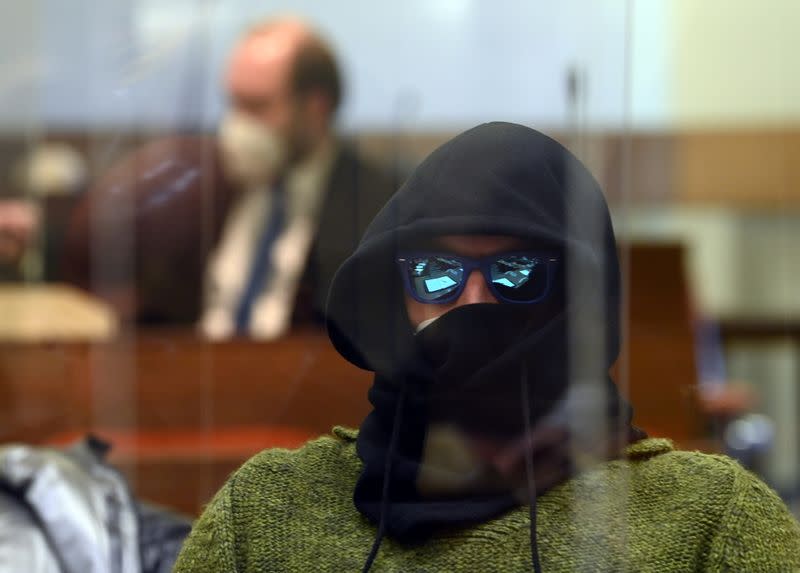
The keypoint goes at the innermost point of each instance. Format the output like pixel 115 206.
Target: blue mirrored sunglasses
pixel 439 278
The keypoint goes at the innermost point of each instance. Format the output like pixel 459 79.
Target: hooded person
pixel 497 440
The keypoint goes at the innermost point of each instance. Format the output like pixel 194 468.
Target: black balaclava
pixel 489 369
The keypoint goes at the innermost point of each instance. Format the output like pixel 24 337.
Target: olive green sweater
pixel 656 510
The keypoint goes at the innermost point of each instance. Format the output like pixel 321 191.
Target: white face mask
pixel 252 153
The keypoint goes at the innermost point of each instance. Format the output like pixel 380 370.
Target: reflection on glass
pixel 181 182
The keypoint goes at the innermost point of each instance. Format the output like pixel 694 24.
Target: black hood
pixel 498 178
pixel 488 370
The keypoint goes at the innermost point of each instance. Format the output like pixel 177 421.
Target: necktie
pixel 261 268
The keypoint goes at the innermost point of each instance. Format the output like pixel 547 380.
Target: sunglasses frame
pixel 470 264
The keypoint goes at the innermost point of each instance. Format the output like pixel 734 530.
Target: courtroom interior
pixel 181 184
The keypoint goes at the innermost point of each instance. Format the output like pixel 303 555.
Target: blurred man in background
pixel 243 233
pixel 305 198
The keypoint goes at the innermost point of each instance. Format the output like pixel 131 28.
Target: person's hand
pixel 19 222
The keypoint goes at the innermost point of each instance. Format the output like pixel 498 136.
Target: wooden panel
pixel 180 412
pixel 744 168
pixel 176 380
pixel 42 390
pixel 659 352
pixel 750 168
pixel 756 169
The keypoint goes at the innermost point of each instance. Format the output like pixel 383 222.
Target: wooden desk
pixel 182 412
pixel 35 312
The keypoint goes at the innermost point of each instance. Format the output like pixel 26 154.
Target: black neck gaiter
pixel 467 370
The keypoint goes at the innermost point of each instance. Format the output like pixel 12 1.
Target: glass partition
pixel 184 186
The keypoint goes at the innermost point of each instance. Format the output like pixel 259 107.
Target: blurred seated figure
pixel 37 180
pixel 241 233
pixel 18 226
pixel 140 236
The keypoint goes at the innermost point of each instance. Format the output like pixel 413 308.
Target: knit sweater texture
pixel 655 510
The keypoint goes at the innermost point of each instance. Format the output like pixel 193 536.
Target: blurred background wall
pixel 435 63
pixel 707 64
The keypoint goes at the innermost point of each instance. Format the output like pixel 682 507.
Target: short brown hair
pixel 315 68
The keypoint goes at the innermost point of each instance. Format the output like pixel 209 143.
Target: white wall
pixel 20 63
pixel 734 62
pixel 428 63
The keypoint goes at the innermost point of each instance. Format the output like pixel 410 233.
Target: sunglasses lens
pixel 520 278
pixel 434 278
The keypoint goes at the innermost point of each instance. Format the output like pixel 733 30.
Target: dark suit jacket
pixel 356 191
